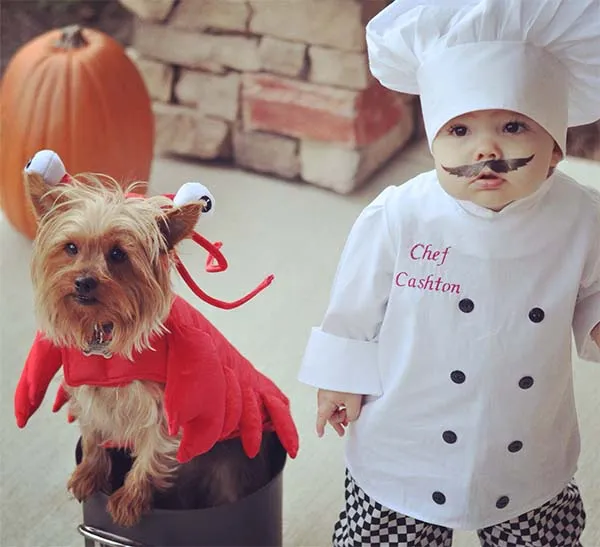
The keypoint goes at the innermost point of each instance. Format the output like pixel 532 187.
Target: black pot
pixel 255 520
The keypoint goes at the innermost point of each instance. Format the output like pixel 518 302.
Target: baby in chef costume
pixel 446 346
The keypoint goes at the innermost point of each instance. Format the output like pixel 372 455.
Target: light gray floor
pixel 293 230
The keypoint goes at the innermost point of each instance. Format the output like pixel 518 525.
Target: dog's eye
pixel 71 249
pixel 117 254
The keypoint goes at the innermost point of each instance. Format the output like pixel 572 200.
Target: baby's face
pixel 525 154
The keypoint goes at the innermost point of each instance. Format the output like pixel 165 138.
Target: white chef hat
pixel 540 58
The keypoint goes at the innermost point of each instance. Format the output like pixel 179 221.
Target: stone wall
pixel 584 141
pixel 275 86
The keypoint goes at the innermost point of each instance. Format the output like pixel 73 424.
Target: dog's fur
pixel 90 229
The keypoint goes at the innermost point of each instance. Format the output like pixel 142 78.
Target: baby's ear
pixel 178 222
pixel 557 156
pixel 596 334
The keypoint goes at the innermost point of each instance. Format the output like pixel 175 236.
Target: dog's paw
pixel 85 481
pixel 126 506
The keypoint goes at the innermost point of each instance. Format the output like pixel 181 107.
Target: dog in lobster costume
pixel 142 368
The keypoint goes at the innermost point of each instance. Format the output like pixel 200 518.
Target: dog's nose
pixel 85 285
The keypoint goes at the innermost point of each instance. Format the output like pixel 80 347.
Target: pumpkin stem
pixel 71 38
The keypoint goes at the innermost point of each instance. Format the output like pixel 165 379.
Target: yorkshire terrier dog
pixel 143 369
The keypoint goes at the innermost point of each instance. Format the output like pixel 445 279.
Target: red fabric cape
pixel 212 392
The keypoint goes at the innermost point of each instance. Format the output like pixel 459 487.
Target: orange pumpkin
pixel 74 91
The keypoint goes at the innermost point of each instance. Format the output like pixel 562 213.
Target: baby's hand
pixel 337 408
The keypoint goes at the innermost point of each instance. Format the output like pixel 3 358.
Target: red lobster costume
pixel 212 392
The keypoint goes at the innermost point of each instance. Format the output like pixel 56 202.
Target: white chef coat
pixel 456 322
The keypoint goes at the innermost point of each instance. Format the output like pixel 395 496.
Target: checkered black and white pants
pixel 557 523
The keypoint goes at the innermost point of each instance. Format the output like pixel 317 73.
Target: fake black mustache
pixel 498 166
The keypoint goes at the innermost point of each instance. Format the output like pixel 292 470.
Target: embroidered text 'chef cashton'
pixel 431 282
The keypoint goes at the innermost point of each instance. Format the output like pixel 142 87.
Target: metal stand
pixel 94 537
pixel 254 521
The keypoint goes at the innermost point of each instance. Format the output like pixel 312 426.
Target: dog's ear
pixel 178 222
pixel 42 195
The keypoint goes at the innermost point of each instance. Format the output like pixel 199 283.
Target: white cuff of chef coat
pixel 587 316
pixel 340 364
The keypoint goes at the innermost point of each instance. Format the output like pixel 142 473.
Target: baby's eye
pixel 458 130
pixel 515 127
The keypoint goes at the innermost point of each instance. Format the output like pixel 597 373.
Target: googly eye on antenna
pixel 195 191
pixel 48 164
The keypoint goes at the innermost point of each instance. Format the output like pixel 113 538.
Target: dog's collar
pixel 101 339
